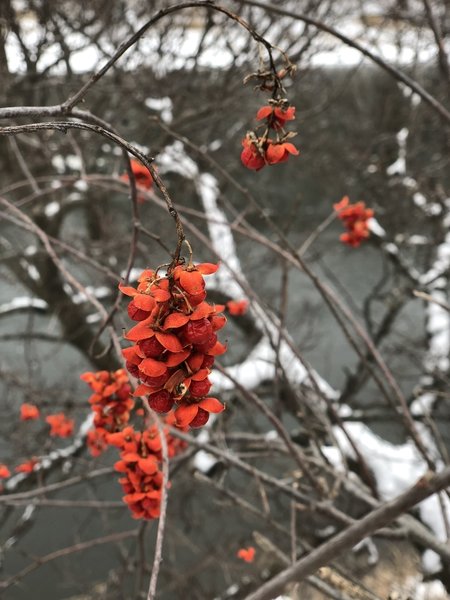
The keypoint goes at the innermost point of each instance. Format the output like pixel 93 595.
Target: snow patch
pixel 33 273
pixel 399 166
pixel 52 209
pixel 98 292
pixel 376 228
pixel 81 185
pixel 73 161
pixel 406 466
pixel 58 163
pixel 162 105
pixel 22 302
pixel 419 199
pixel 417 240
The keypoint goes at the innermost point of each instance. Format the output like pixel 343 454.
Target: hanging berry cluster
pixel 111 404
pixel 270 144
pixel 356 220
pixel 140 451
pixel 175 342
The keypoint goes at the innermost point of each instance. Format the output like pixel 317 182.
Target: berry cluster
pixel 140 460
pixel 26 467
pixel 140 455
pixel 262 150
pixel 356 220
pixel 29 412
pixel 111 404
pixel 140 452
pixel 246 554
pixel 60 425
pixel 175 342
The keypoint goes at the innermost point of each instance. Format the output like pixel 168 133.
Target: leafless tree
pixel 336 380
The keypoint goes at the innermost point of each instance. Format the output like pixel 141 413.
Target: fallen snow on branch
pixel 52 209
pixel 22 303
pixel 399 166
pixel 396 468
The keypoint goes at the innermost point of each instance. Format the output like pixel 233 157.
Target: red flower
pixel 29 412
pixel 356 220
pixel 237 307
pixel 247 554
pixel 4 471
pixel 60 425
pixel 140 452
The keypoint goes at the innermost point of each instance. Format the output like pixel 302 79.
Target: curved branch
pixel 63 126
pixel 68 105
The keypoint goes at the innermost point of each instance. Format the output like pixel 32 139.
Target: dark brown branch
pixel 425 487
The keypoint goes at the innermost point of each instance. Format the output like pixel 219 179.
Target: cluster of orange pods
pixel 140 452
pixel 262 150
pixel 175 342
pixel 355 218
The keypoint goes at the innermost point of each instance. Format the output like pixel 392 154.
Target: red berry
pixel 205 346
pixel 208 362
pixel 200 388
pixel 197 299
pixel 155 382
pixel 124 392
pixel 132 369
pixel 161 401
pixel 118 409
pixel 151 347
pixel 135 313
pixel 198 332
pixel 200 418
